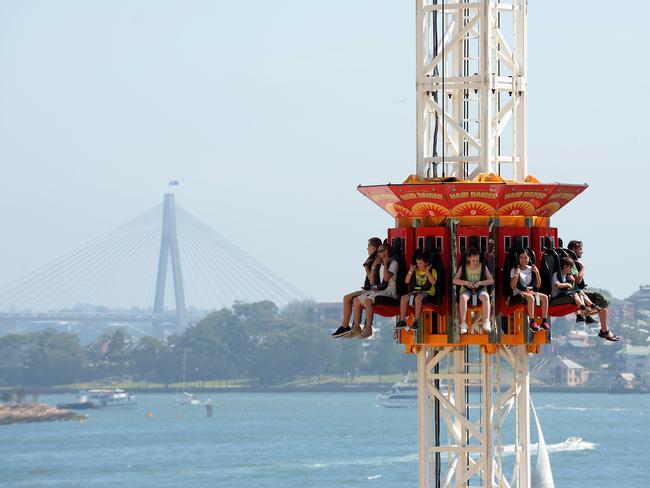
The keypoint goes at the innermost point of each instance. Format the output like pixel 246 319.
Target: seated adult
pixel 344 329
pixel 473 277
pixel 421 280
pixel 388 269
pixel 598 299
pixel 524 280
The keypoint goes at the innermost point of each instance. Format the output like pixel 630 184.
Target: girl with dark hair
pixel 524 279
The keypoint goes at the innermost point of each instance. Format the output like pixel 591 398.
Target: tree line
pixel 250 341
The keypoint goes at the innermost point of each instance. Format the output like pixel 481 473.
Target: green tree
pixel 41 358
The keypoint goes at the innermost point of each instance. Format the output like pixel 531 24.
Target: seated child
pixel 421 280
pixel 473 277
pixel 524 279
pixel 563 289
pixel 344 329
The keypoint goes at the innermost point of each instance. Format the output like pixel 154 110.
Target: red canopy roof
pixel 467 199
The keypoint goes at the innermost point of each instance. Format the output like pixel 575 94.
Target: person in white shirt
pixel 524 279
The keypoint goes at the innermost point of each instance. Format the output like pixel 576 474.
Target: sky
pixel 269 114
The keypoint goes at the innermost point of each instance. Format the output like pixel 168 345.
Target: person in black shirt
pixel 344 329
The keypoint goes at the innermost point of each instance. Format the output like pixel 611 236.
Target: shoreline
pixel 35 412
pixel 312 388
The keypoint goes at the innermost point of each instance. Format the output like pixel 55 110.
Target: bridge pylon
pixel 169 252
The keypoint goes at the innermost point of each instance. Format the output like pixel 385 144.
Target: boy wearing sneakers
pixel 421 280
pixel 563 289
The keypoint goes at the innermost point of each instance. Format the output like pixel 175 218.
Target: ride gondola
pixel 443 218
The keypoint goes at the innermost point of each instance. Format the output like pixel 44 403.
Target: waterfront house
pixel 635 358
pixel 560 371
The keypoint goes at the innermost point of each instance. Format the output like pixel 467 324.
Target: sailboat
pixel 185 398
pixel 542 476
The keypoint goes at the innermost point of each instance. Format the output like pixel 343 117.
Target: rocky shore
pixel 35 412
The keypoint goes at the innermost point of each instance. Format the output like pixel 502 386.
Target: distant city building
pixel 560 371
pixel 577 345
pixel 326 311
pixel 635 358
pixel 621 311
pixel 641 298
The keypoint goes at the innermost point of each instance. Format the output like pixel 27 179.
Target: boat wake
pixel 570 444
pixel 372 461
pixel 581 409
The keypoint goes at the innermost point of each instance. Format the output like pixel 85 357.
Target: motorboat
pixel 187 399
pixel 401 395
pixel 100 398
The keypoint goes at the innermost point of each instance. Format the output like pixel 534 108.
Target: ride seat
pixel 482 260
pixel 549 265
pixel 389 307
pixel 511 303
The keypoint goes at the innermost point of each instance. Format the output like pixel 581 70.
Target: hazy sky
pixel 271 113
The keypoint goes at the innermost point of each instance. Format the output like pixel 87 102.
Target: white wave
pixel 372 461
pixel 375 477
pixel 582 409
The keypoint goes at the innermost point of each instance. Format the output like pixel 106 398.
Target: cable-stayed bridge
pixel 163 266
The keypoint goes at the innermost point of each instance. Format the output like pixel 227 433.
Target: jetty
pixel 34 412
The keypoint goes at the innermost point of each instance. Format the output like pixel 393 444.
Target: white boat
pixel 106 397
pixel 400 395
pixel 183 397
pixel 187 399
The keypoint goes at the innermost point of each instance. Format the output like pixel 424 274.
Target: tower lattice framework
pixel 471 119
pixel 471 88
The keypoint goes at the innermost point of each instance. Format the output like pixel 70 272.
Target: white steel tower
pixel 471 119
pixel 471 88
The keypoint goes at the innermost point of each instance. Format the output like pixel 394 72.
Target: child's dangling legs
pixel 485 301
pixel 403 306
pixel 419 298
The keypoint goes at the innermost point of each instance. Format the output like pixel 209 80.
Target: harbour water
pixel 301 439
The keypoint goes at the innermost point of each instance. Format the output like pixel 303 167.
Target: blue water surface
pixel 301 440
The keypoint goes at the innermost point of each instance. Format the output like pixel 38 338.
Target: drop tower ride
pixel 472 189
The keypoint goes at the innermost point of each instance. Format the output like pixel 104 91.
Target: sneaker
pixel 580 318
pixel 416 325
pixel 590 320
pixel 533 326
pixel 341 332
pixel 545 324
pixel 487 327
pixel 401 324
pixel 463 328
